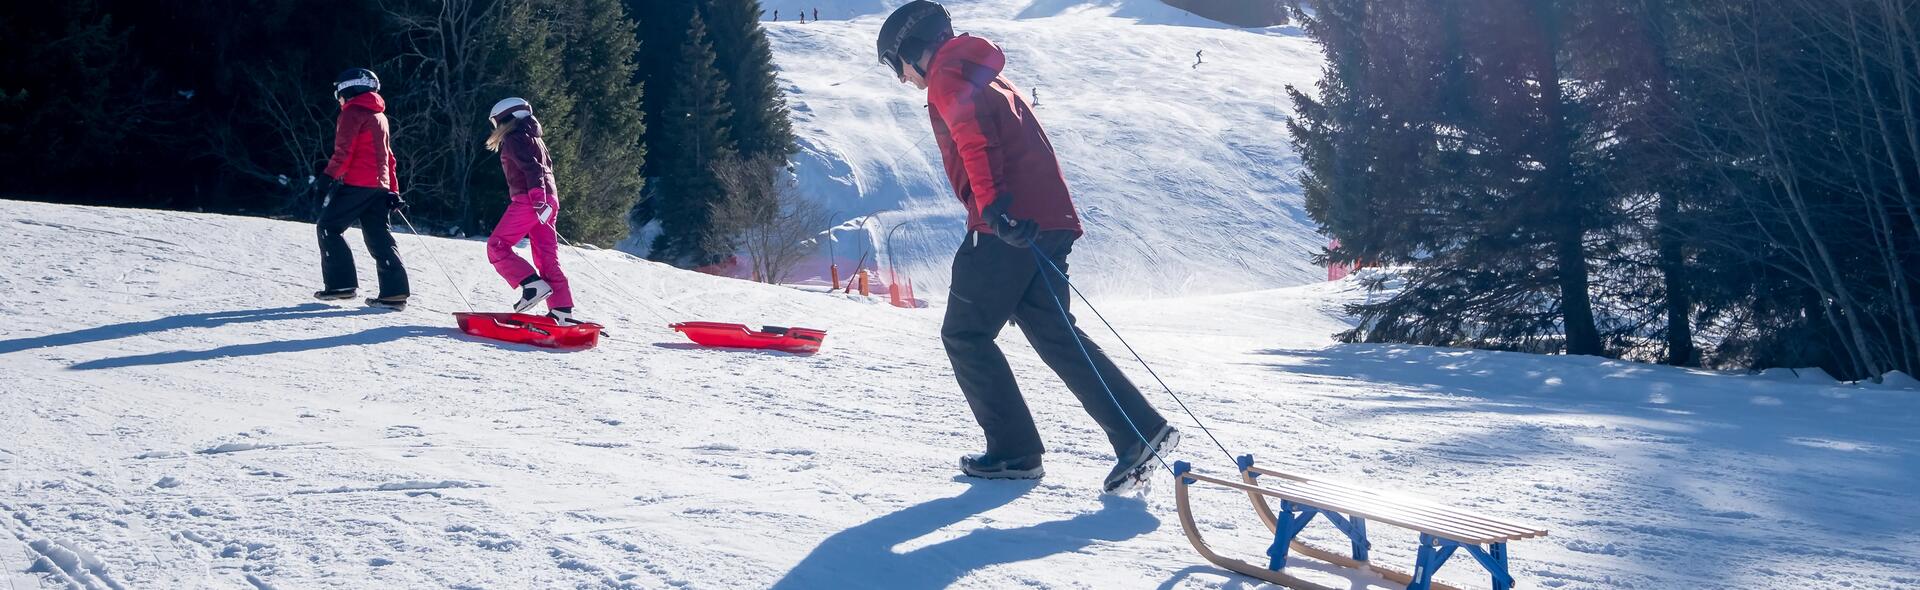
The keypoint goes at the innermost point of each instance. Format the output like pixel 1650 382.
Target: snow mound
pixel 1897 379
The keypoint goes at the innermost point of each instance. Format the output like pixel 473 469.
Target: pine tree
pixel 661 30
pixel 693 118
pixel 536 44
pixel 1459 155
pixel 760 124
pixel 608 120
pixel 574 61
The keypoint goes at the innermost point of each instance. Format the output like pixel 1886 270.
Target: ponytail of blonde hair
pixel 500 133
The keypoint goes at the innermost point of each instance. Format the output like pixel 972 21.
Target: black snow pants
pixel 994 282
pixel 344 206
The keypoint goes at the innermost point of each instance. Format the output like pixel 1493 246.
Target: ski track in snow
pixel 197 428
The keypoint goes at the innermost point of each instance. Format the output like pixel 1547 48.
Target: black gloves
pixel 1018 233
pixel 395 203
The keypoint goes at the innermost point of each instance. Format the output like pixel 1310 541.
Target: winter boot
pixel 1138 461
pixel 393 302
pixel 334 294
pixel 981 465
pixel 562 316
pixel 533 290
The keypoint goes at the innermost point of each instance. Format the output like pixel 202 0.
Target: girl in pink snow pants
pixel 531 213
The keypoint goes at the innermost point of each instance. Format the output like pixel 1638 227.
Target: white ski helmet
pixel 517 106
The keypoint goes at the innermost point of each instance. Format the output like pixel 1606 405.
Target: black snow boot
pixel 393 302
pixel 334 294
pixel 1139 460
pixel 981 465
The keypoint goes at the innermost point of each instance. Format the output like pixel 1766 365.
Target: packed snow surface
pixel 175 412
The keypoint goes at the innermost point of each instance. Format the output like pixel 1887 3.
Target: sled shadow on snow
pixel 865 557
pixel 305 311
pixel 379 335
pixel 758 351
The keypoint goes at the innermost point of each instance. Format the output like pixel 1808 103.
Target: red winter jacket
pixel 992 145
pixel 362 150
pixel 523 155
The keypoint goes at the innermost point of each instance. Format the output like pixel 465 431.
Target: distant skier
pixel 816 14
pixel 364 186
pixel 1196 59
pixel 803 17
pixel 1003 170
pixel 776 15
pixel 532 213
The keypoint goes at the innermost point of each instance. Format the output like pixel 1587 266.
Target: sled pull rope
pixel 436 260
pixel 1078 341
pixel 1136 356
pixel 603 274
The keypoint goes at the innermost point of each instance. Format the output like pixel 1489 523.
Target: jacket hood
pixel 529 125
pixel 971 50
pixel 370 101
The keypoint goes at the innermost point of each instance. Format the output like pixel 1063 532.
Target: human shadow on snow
pixel 303 311
pixel 864 556
pixel 365 337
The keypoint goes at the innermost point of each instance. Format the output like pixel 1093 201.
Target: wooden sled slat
pixel 1519 532
pixel 1381 516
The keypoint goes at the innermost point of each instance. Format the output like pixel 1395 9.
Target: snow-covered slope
pixel 176 413
pixel 1183 174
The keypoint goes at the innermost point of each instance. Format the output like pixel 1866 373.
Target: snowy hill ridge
pixel 1183 173
pixel 176 413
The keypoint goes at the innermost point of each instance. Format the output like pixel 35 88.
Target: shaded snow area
pixel 1184 177
pixel 176 413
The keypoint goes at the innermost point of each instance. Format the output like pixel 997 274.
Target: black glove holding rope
pixel 1018 233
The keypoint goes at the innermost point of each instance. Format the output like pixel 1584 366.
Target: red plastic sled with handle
pixel 521 328
pixel 717 334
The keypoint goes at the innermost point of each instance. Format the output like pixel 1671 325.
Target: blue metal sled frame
pixel 1294 517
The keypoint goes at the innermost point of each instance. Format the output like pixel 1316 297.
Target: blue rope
pixel 1137 357
pixel 1062 306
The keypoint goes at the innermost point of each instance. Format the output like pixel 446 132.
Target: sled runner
pixel 723 335
pixel 528 329
pixel 1442 530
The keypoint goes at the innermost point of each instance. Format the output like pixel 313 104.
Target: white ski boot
pixel 532 292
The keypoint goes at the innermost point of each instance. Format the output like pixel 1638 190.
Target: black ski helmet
pixel 355 82
pixel 911 29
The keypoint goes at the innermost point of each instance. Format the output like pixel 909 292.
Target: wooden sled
pixel 1442 530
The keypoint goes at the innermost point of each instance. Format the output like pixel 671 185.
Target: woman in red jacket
pixel 531 213
pixel 365 188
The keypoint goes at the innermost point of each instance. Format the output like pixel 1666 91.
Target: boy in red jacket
pixel 1004 171
pixel 366 187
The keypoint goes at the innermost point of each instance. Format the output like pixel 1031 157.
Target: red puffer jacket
pixel 523 156
pixel 362 150
pixel 992 145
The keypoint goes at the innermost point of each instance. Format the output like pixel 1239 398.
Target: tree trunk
pixel 1680 350
pixel 1569 218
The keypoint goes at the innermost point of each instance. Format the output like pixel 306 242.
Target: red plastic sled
pixel 800 340
pixel 521 328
